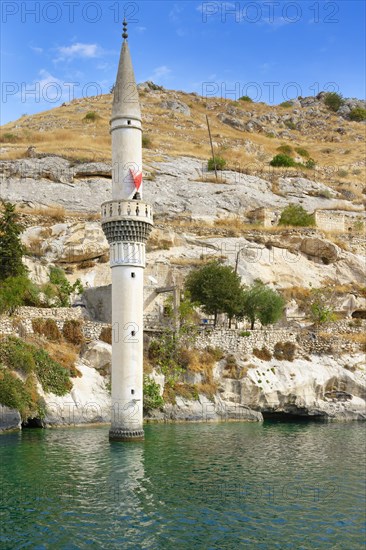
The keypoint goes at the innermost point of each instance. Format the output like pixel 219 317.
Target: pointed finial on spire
pixel 124 34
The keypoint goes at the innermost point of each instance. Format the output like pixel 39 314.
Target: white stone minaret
pixel 127 222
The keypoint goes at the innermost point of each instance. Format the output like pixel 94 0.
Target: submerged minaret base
pixel 127 222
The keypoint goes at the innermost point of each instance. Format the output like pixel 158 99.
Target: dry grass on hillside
pixel 65 131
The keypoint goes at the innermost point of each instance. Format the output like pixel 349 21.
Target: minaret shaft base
pixel 120 434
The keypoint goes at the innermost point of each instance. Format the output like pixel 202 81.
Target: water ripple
pixel 214 486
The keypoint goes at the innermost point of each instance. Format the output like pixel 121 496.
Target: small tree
pixel 333 101
pixel 11 247
pixel 59 290
pixel 320 305
pixel 295 214
pixel 259 302
pixel 216 287
pixel 217 162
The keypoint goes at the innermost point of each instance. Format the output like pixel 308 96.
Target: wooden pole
pixel 212 151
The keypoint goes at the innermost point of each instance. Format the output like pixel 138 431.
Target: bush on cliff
pixel 333 101
pixel 21 366
pixel 358 114
pixel 295 214
pixel 282 160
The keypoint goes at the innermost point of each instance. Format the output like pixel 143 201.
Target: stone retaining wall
pixel 21 322
pixel 328 340
pixel 230 341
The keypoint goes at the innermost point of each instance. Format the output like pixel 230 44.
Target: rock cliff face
pixel 320 387
pixel 60 184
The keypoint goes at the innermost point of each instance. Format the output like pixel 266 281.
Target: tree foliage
pixel 295 214
pixel 358 114
pixel 320 305
pixel 217 162
pixel 11 247
pixel 59 290
pixel 333 101
pixel 282 160
pixel 216 288
pixel 260 302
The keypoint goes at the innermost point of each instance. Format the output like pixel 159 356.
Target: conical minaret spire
pixel 126 99
pixel 127 222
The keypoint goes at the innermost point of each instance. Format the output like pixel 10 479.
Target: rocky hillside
pixel 57 167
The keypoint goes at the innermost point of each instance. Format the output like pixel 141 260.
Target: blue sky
pixel 54 51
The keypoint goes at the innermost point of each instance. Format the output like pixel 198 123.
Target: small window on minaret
pixel 133 392
pixel 133 275
pixel 129 122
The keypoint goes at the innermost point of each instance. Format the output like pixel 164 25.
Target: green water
pixel 209 486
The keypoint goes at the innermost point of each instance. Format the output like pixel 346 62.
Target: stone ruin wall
pixel 229 340
pixel 341 221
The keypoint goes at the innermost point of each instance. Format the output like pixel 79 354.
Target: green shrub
pixel 285 149
pixel 152 397
pixel 295 214
pixel 8 137
pixel 17 291
pixel 282 160
pixel 91 116
pixel 16 394
pixel 245 333
pixel 333 101
pixel 290 125
pixel 246 98
pixel 73 331
pixel 286 104
pixel 358 114
pixel 146 141
pixel 310 163
pixel 324 194
pixel 219 162
pixel 53 377
pixel 35 363
pixel 342 173
pixel 302 152
pixel 17 355
pixel 59 290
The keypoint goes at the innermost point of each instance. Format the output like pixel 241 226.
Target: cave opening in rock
pixel 32 423
pixel 289 417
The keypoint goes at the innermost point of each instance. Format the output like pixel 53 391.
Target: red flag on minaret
pixel 137 178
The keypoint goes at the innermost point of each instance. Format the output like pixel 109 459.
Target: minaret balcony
pixel 126 220
pixel 127 209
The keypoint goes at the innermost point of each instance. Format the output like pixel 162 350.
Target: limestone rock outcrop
pixel 321 387
pixel 320 248
pixel 9 419
pixel 98 355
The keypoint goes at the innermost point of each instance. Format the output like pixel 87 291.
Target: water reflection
pixel 186 486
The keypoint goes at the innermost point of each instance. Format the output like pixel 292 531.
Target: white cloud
pixel 36 49
pixel 160 73
pixel 140 29
pixel 78 50
pixel 174 14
